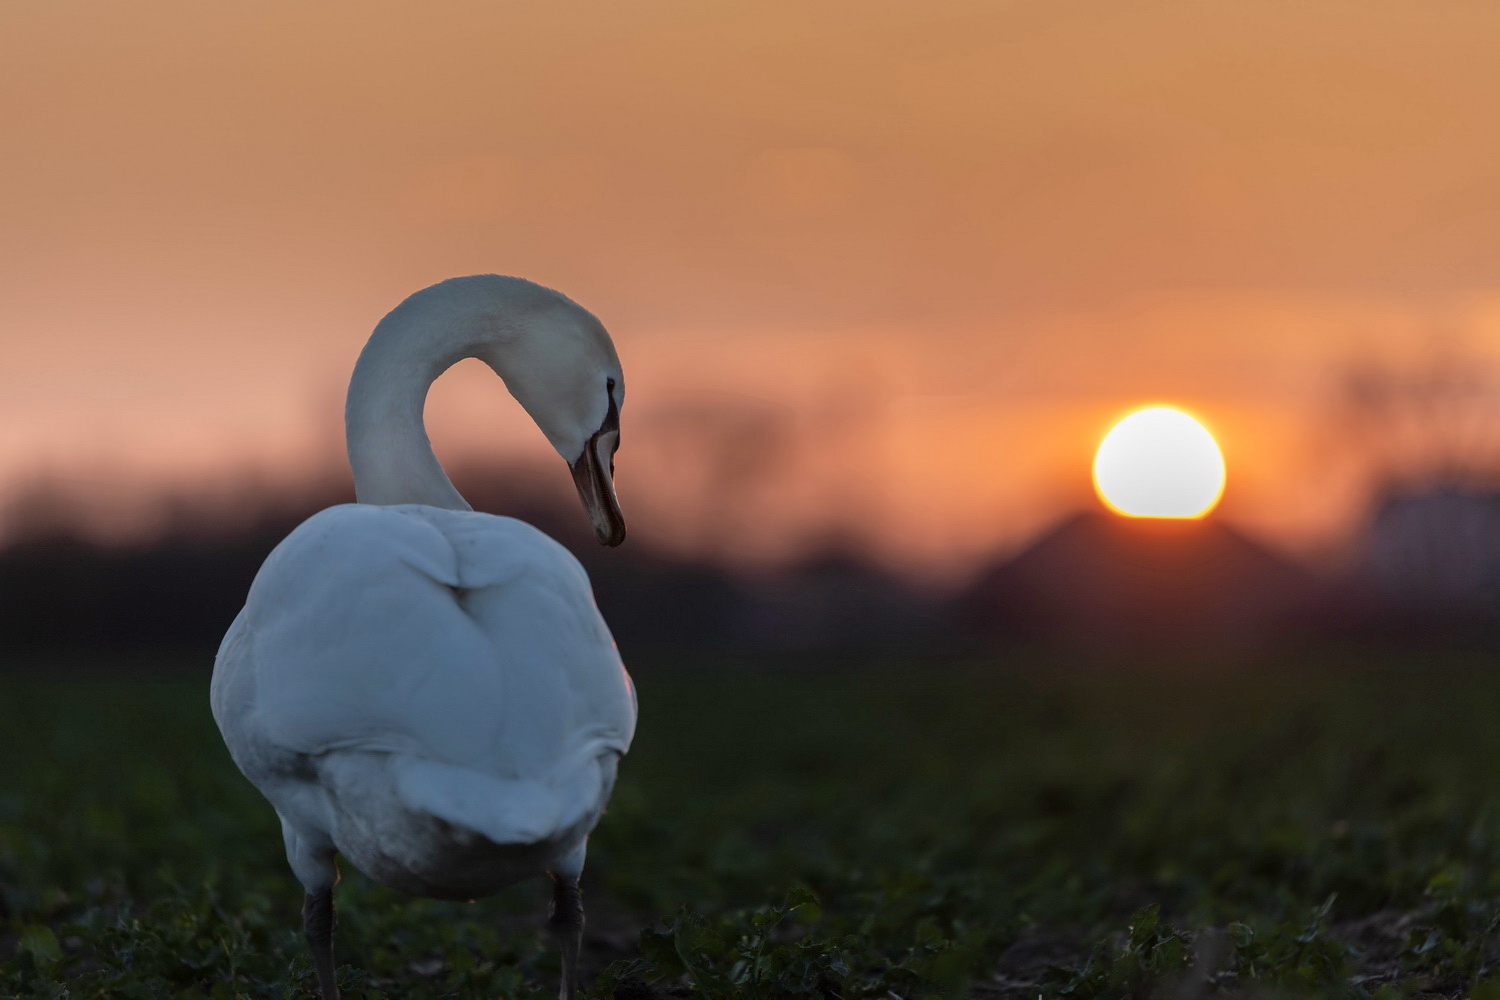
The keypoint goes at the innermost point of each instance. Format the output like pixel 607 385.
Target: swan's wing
pixel 452 636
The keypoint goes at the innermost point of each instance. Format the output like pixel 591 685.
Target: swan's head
pixel 560 364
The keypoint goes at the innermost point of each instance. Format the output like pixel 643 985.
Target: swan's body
pixel 466 695
pixel 429 691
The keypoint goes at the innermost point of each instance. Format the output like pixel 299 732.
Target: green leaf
pixel 660 949
pixel 38 941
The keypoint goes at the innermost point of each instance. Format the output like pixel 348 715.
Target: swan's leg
pixel 311 858
pixel 566 925
pixel 318 922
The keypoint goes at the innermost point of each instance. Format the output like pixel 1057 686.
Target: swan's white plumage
pixel 441 663
pixel 429 691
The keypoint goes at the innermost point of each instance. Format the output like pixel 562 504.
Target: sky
pixel 880 270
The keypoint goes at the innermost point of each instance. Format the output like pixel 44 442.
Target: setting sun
pixel 1159 462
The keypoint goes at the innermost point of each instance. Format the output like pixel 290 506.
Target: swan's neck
pixel 389 452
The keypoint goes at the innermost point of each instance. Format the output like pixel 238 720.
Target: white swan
pixel 429 691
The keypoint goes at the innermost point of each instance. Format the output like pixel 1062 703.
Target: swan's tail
pixel 509 810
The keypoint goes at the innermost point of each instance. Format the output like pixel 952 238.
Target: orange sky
pixel 921 254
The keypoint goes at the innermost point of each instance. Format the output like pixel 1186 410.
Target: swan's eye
pixel 611 413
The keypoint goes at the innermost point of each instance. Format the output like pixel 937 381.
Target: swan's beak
pixel 593 474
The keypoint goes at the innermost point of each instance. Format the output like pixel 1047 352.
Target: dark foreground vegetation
pixel 1315 826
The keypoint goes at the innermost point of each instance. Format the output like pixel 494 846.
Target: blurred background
pixel 881 277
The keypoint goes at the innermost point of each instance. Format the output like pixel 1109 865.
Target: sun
pixel 1159 462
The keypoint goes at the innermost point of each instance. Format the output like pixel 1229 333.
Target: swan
pixel 428 691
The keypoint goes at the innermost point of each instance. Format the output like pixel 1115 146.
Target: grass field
pixel 1322 825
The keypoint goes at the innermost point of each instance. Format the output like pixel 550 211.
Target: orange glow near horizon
pixel 1159 462
pixel 887 293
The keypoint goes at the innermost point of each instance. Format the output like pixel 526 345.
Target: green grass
pixel 1319 827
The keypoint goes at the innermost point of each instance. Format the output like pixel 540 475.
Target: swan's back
pixel 449 648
